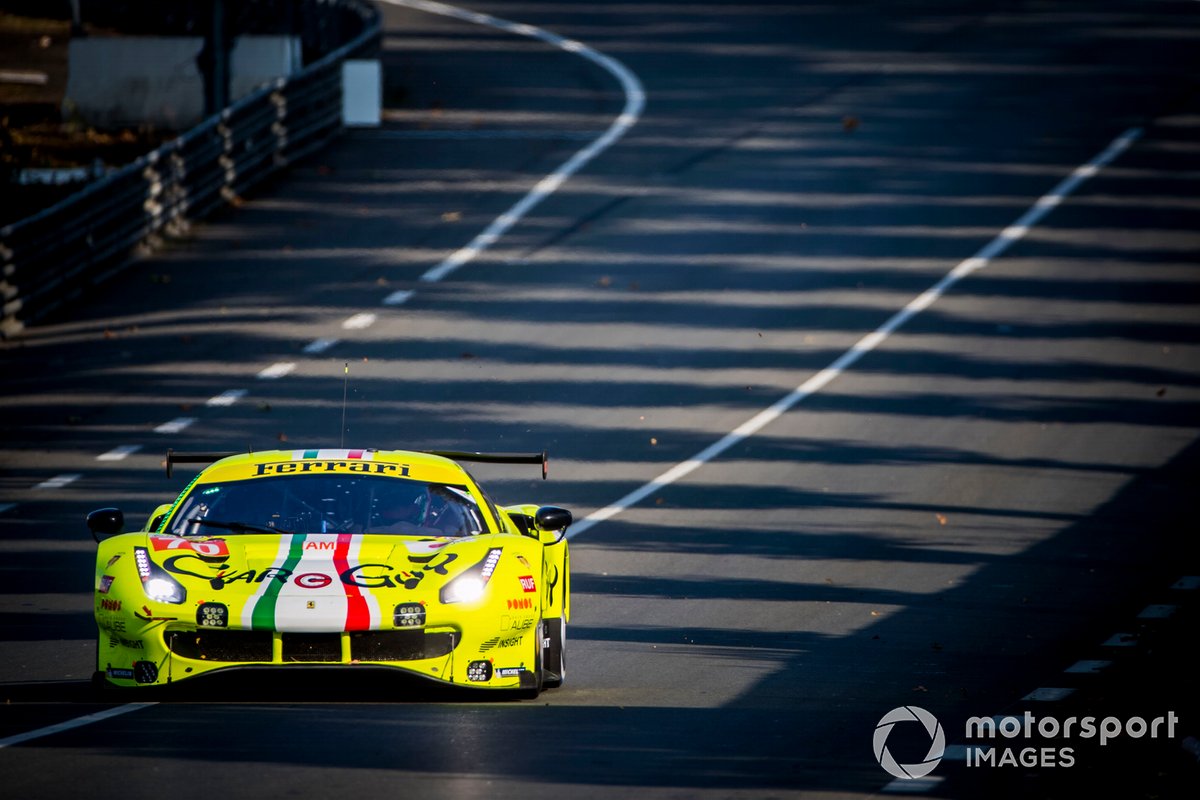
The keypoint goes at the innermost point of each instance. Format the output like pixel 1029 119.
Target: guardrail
pixel 51 258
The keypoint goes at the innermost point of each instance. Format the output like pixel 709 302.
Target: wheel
pixel 554 656
pixel 532 679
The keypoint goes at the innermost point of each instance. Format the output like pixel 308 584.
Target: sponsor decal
pixel 527 583
pixel 109 605
pixel 113 560
pixel 366 576
pixel 524 561
pixel 132 644
pixel 520 603
pixel 105 584
pixel 510 672
pixel 320 545
pixel 120 674
pixel 209 547
pixel 507 623
pixel 313 580
pixel 299 467
pixel 500 642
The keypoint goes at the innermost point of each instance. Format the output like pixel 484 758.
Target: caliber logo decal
pixel 507 623
pixel 937 741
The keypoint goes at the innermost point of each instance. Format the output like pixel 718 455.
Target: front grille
pixel 399 645
pixel 238 646
pixel 221 645
pixel 312 647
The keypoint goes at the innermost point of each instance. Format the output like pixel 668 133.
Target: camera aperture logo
pixel 1040 741
pixel 937 741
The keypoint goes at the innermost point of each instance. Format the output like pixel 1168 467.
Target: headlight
pixel 463 590
pixel 157 583
pixel 470 584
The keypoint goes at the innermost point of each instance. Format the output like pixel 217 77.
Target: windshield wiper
pixel 238 527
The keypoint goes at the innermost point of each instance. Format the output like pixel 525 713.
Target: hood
pixel 316 581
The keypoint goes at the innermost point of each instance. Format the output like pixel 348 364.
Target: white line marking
pixel 70 724
pixel 1157 612
pixel 398 298
pixel 176 425
pixel 635 101
pixel 59 481
pixel 359 321
pixel 816 383
pixel 1122 640
pixel 5 507
pixel 119 453
pixel 226 398
pixel 1187 583
pixel 27 77
pixel 319 345
pixel 1049 694
pixel 1088 667
pixel 277 370
pixel 913 785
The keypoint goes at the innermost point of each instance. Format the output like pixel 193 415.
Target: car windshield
pixel 328 504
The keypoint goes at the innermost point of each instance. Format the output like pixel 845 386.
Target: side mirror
pixel 106 522
pixel 553 520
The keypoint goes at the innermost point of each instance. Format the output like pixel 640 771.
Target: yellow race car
pixel 387 558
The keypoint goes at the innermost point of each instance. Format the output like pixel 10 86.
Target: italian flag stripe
pixel 264 610
pixel 358 616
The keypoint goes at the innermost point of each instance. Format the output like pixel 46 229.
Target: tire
pixel 554 655
pixel 532 680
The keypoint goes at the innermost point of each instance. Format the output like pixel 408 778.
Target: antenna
pixel 345 383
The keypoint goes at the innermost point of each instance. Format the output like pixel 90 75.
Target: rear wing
pixel 495 458
pixel 174 458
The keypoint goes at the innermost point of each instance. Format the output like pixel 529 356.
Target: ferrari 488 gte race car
pixel 335 557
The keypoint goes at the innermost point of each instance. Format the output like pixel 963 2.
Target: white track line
pixel 119 453
pixel 176 425
pixel 816 383
pixel 226 398
pixel 360 321
pixel 635 101
pixel 70 724
pixel 319 345
pixel 276 370
pixel 59 481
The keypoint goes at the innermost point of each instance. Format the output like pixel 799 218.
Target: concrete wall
pixel 146 80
